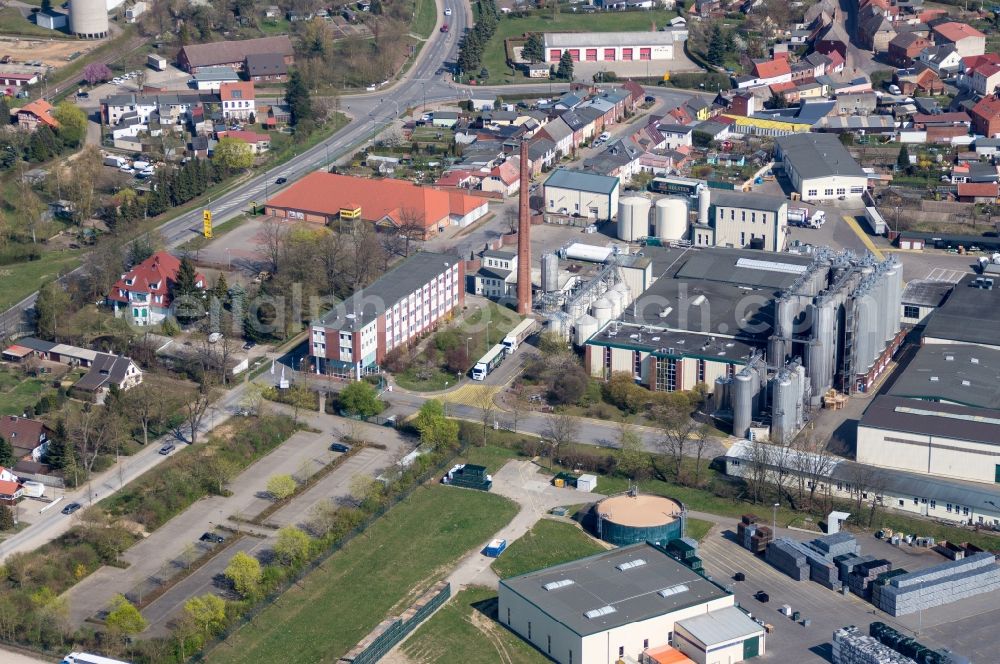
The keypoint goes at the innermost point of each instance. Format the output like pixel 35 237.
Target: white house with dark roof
pixel 613 46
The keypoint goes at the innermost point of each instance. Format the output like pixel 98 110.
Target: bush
pixel 447 339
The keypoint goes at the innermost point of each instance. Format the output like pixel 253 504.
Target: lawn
pixel 17 393
pixel 12 22
pixel 466 630
pixel 19 280
pixel 424 18
pixel 495 60
pixel 548 543
pixel 697 528
pixel 490 456
pixel 408 549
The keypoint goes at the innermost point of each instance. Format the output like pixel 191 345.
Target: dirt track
pixel 52 52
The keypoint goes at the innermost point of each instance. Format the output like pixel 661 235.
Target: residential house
pixel 978 192
pixel 619 159
pixel 875 30
pixel 11 489
pixel 861 103
pixel 238 100
pixel 583 130
pixel 986 117
pixel 768 72
pixel 29 439
pixel 542 153
pixel 104 369
pixel 504 178
pixel 966 39
pixel 146 291
pixel 445 119
pixel 905 47
pixel 496 277
pixel 920 79
pixel 988 147
pixel 942 127
pixel 259 143
pixel 942 59
pixel 34 114
pixel 266 67
pixel 649 138
pixel 986 78
pixel 675 136
pixel 560 134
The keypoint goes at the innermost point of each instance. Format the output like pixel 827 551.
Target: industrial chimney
pixel 524 239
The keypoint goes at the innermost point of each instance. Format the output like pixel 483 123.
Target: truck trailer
pixel 485 366
pixel 517 336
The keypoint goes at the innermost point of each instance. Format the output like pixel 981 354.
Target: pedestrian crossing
pixel 472 395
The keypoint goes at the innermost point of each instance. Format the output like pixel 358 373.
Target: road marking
pixel 942 274
pixel 853 224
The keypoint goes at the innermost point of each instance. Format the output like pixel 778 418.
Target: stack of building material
pixel 786 557
pixel 851 646
pixel 470 476
pixel 821 570
pixel 745 529
pixel 864 574
pixel 760 539
pixel 847 562
pixel 937 585
pixel 836 544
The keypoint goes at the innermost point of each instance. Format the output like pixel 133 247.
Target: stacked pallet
pixel 864 574
pixel 851 646
pixel 760 539
pixel 745 529
pixel 835 545
pixel 937 585
pixel 847 562
pixel 782 554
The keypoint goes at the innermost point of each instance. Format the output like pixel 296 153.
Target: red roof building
pixel 146 289
pixel 258 142
pixel 33 114
pixel 327 197
pixel 28 438
pixel 774 71
pixel 238 100
pixel 978 192
pixel 986 117
pixel 505 178
pixel 967 40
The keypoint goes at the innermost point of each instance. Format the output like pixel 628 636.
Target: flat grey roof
pixel 721 626
pixel 818 155
pixel 664 343
pixel 893 413
pixel 597 583
pixel 957 373
pixel 367 304
pixel 499 253
pixel 581 181
pixel 969 315
pixel 751 201
pixel 926 293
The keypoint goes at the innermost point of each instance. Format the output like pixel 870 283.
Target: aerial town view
pixel 514 331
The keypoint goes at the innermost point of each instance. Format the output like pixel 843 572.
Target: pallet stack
pixel 851 646
pixel 760 539
pixel 751 535
pixel 847 562
pixel 835 545
pixel 937 585
pixel 864 574
pixel 783 554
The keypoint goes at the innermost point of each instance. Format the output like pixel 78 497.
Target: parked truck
pixel 797 216
pixel 517 336
pixel 157 62
pixel 485 366
pixel 115 161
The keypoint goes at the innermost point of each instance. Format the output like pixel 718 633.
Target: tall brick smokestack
pixel 524 238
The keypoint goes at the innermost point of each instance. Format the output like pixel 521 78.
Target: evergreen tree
pixel 565 70
pixel 6 518
pixel 221 289
pixel 185 284
pixel 534 48
pixel 716 46
pixel 6 453
pixel 41 145
pixel 298 99
pixel 903 160
pixel 185 293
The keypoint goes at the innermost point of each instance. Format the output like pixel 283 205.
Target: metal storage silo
pixel 671 219
pixel 704 203
pixel 720 396
pixel 626 295
pixel 550 273
pixel 586 327
pixel 602 311
pixel 617 304
pixel 895 295
pixel 782 408
pixel 864 337
pixel 742 396
pixel 822 353
pixel 633 218
pixel 803 385
pixel 88 19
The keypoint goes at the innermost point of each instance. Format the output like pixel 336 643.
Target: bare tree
pixel 678 430
pixel 701 440
pixel 487 410
pixel 511 216
pixel 194 411
pixel 814 463
pixel 271 242
pixel 756 472
pixel 560 429
pixel 407 232
pixel 145 403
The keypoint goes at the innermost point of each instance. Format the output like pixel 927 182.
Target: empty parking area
pixel 962 627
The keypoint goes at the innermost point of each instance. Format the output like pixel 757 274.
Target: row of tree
pixel 470 54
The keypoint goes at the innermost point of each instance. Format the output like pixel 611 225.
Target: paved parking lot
pixel 963 627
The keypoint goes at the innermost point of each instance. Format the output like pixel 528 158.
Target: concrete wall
pixel 943 457
pixel 735 227
pixel 582 202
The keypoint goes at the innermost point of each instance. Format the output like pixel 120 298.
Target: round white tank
pixel 633 218
pixel 586 327
pixel 602 311
pixel 625 293
pixel 615 298
pixel 88 18
pixel 671 218
pixel 704 203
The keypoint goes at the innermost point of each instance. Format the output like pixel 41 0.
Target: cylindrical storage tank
pixel 625 293
pixel 671 219
pixel 719 401
pixel 556 324
pixel 802 384
pixel 624 520
pixel 615 298
pixel 586 327
pixel 782 408
pixel 821 359
pixel 602 311
pixel 633 218
pixel 550 273
pixel 88 18
pixel 704 203
pixel 742 397
pixel 863 338
pixel 895 276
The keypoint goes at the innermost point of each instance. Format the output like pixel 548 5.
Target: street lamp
pixel 774 519
pixel 488 334
pixel 467 340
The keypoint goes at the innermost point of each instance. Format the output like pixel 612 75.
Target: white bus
pixel 87 658
pixel 485 366
pixel 517 336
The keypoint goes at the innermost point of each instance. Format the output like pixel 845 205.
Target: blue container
pixel 495 548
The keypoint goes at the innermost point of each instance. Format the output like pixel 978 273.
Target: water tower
pixel 88 19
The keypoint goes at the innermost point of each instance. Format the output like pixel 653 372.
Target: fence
pixel 389 632
pixel 323 557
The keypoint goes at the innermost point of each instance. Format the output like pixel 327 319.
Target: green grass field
pixel 18 393
pixel 465 630
pixel 20 280
pixel 13 23
pixel 697 528
pixel 374 576
pixel 495 60
pixel 548 543
pixel 490 456
pixel 424 18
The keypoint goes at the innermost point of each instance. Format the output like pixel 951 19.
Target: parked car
pixel 340 447
pixel 167 449
pixel 281 181
pixel 212 538
pixel 72 507
pixel 248 345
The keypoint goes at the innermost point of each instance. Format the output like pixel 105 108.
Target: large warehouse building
pixel 585 194
pixel 820 168
pixel 620 603
pixel 328 198
pixel 405 303
pixel 613 46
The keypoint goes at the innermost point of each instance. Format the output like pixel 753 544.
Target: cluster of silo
pixel 550 273
pixel 585 326
pixel 722 397
pixel 670 219
pixel 88 19
pixel 876 313
pixel 822 353
pixel 788 396
pixel 633 218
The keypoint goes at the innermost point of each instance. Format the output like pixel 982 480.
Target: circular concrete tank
pixel 633 218
pixel 586 327
pixel 88 18
pixel 623 520
pixel 671 217
pixel 602 311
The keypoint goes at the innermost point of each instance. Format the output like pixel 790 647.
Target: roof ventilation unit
pixel 597 613
pixel 673 590
pixel 638 562
pixel 555 585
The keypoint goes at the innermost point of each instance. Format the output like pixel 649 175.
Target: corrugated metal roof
pixel 580 181
pixel 721 626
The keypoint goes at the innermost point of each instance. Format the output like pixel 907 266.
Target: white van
pixel 34 489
